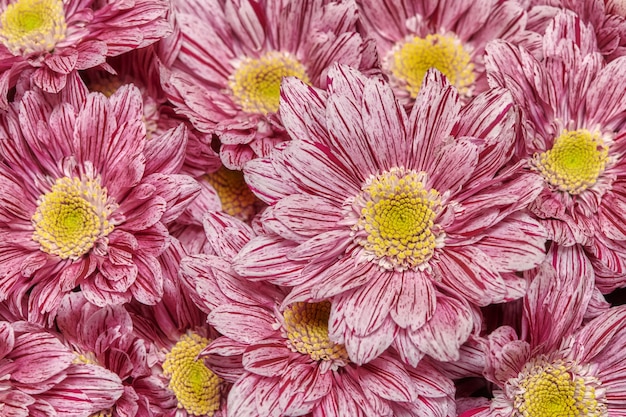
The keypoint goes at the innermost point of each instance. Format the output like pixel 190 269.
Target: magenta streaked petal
pixel 269 358
pixel 442 336
pixel 562 288
pixel 471 273
pixel 389 379
pixel 516 244
pixel 265 258
pixel 606 97
pixel 302 110
pixel 266 182
pixel 385 124
pixel 356 305
pixel 363 349
pixel 415 302
pixel 461 154
pixel 435 112
pixel 598 334
pixel 405 347
pixel 307 215
pixel 246 324
pixel 242 397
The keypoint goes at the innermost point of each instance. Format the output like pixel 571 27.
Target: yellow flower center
pixel 398 218
pixel 255 84
pixel 575 161
pixel 556 390
pixel 32 26
pixel 71 217
pixel 235 195
pixel 196 387
pixel 410 59
pixel 306 326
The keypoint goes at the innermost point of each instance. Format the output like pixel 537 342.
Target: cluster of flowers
pixel 350 208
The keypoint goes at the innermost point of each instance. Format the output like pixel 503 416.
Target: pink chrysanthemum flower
pixel 288 366
pixel 234 53
pixel 40 376
pixel 606 17
pixel 181 383
pixel 366 208
pixel 85 199
pixel 559 368
pixel 104 337
pixel 416 35
pixel 574 110
pixel 56 37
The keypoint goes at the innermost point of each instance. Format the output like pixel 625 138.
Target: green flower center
pixel 71 217
pixel 255 84
pixel 575 161
pixel 196 387
pixel 398 219
pixel 410 59
pixel 306 326
pixel 32 26
pixel 556 390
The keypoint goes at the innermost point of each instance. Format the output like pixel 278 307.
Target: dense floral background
pixel 350 208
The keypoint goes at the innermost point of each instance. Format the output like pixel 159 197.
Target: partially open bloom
pixel 234 54
pixel 51 38
pixel 416 35
pixel 288 365
pixel 366 209
pixel 573 135
pixel 181 384
pixel 85 202
pixel 607 19
pixel 559 368
pixel 39 375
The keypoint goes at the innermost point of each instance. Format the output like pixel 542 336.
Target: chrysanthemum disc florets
pixel 575 161
pixel 410 59
pixel 306 326
pixel 196 387
pixel 72 216
pixel 255 84
pixel 32 26
pixel 398 218
pixel 236 197
pixel 556 389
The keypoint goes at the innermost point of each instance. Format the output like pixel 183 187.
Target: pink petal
pixel 388 379
pixel 246 324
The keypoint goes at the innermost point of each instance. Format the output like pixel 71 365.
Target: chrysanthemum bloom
pixel 39 376
pixel 181 384
pixel 573 136
pixel 416 35
pixel 366 208
pixel 55 37
pixel 85 199
pixel 104 338
pixel 288 366
pixel 607 18
pixel 234 53
pixel 140 67
pixel 560 368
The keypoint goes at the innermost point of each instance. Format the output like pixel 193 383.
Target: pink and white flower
pixel 288 366
pixel 573 135
pixel 414 36
pixel 366 210
pixel 49 39
pixel 560 367
pixel 40 376
pixel 234 53
pixel 85 199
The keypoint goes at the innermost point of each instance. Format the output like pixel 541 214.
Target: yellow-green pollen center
pixel 255 84
pixel 575 162
pixel 409 61
pixel 556 390
pixel 306 326
pixel 196 387
pixel 236 197
pixel 32 26
pixel 399 219
pixel 72 216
